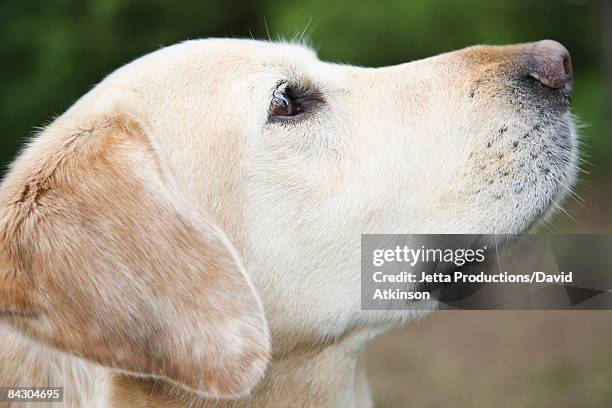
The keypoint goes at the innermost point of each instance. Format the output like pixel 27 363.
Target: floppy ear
pixel 101 257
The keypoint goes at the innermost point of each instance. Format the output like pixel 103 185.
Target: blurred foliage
pixel 53 52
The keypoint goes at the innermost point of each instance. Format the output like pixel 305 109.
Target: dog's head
pixel 119 221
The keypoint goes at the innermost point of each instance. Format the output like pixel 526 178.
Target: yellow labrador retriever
pixel 132 227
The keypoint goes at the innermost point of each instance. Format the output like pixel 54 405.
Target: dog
pixel 188 232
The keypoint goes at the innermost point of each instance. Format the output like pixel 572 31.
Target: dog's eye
pixel 284 103
pixel 291 103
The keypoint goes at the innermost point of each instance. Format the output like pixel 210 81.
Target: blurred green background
pixel 54 51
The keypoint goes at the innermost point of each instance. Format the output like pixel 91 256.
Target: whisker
pixel 267 31
pixel 304 30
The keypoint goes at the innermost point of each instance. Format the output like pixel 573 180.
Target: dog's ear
pixel 101 257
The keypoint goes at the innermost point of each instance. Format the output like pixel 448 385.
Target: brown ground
pixel 496 359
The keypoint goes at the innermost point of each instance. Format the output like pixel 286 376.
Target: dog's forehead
pixel 213 60
pixel 253 48
pixel 236 53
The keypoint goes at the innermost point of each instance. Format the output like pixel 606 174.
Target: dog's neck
pixel 325 375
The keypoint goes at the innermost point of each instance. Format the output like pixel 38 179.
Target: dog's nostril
pixel 549 63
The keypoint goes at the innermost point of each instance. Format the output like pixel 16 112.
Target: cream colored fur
pixel 442 145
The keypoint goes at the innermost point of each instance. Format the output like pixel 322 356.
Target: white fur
pixel 392 150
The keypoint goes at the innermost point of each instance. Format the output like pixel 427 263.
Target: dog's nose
pixel 549 63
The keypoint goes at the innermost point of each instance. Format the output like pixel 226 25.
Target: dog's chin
pixel 557 179
pixel 520 176
pixel 555 205
pixel 513 199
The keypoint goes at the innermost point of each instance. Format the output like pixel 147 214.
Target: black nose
pixel 549 63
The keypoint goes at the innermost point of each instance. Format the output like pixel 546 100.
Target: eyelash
pixel 304 102
pixel 285 97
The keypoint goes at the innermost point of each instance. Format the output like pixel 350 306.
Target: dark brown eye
pixel 283 103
